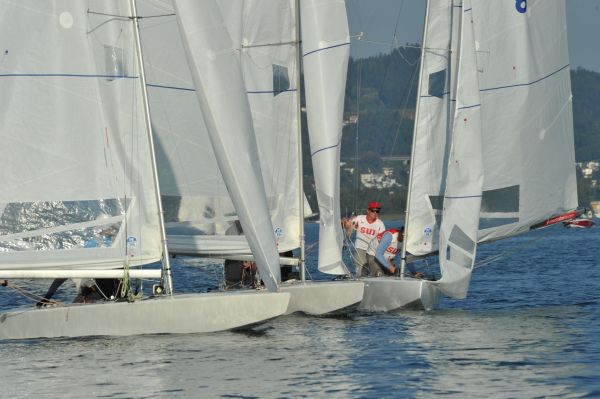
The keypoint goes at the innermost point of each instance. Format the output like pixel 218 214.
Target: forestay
pixel 217 77
pixel 326 48
pixel 76 185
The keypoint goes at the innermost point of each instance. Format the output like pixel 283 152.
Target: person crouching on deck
pixel 384 254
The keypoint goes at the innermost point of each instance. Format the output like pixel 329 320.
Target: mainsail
pixel 325 44
pixel 76 187
pixel 526 113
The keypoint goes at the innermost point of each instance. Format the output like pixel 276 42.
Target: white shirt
pixel 365 231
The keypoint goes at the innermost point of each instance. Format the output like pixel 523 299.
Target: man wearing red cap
pixel 367 228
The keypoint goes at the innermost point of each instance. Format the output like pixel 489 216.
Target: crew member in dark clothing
pixel 100 289
pixel 239 274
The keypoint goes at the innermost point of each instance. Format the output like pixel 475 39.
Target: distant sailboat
pixel 201 214
pixel 493 152
pixel 78 162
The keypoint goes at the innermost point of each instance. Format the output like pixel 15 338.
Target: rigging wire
pixel 359 69
pixel 514 250
pixel 30 295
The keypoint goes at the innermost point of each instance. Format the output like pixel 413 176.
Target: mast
pixel 301 258
pixel 412 154
pixel 166 280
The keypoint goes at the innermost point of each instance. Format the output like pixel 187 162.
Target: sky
pixel 379 19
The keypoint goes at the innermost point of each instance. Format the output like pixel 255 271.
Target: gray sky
pixel 378 20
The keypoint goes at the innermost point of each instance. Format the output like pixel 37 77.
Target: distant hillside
pixel 386 85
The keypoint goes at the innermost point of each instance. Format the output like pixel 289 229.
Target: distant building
pixel 352 119
pixel 588 168
pixel 379 180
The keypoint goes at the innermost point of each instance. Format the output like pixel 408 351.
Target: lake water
pixel 530 327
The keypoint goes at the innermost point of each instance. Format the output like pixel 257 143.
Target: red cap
pixel 373 204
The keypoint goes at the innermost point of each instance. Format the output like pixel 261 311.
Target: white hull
pixel 383 294
pixel 320 298
pixel 186 313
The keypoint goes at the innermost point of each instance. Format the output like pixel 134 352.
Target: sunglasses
pixel 375 210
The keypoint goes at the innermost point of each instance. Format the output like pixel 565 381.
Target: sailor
pixel 367 228
pixel 239 274
pixel 92 290
pixel 383 254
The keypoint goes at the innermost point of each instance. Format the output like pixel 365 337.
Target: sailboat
pixel 79 166
pixel 493 153
pixel 201 217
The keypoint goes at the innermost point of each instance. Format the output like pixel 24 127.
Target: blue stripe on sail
pixel 325 48
pixel 187 89
pixel 65 75
pixel 169 87
pixel 515 85
pixel 470 106
pixel 468 9
pixel 323 149
pixel 527 84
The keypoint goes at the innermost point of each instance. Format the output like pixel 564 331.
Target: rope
pixel 29 295
pixel 126 288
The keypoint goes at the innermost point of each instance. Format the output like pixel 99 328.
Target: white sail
pixel 76 184
pixel 526 124
pixel 217 76
pixel 433 124
pixel 325 47
pixel 527 121
pixel 462 199
pixel 200 216
pixel 265 34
